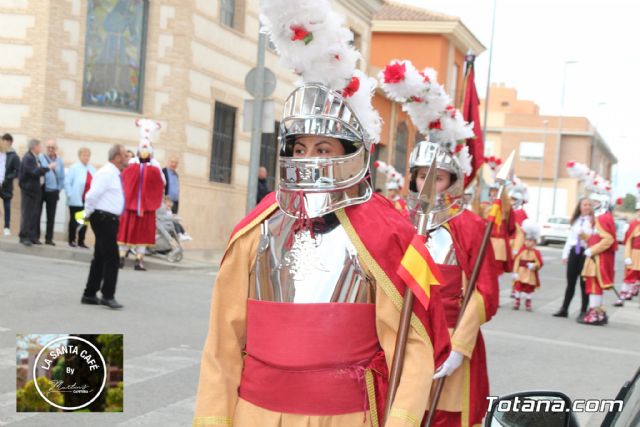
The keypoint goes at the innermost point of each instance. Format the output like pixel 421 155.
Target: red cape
pixel 466 231
pixel 606 259
pixel 142 194
pixel 385 234
pixel 538 256
pixel 632 226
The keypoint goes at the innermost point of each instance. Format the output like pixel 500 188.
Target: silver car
pixel 554 229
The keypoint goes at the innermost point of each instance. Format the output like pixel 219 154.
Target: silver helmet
pixel 600 202
pixel 315 186
pixel 450 202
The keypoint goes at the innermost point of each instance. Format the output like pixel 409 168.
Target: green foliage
pixel 111 348
pixel 628 203
pixel 58 370
pixel 115 397
pixel 28 399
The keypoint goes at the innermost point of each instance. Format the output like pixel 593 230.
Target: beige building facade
pixel 194 56
pixel 515 124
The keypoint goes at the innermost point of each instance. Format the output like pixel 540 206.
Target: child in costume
pixel 526 265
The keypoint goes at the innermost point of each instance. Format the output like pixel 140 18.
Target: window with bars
pixel 228 12
pixel 269 154
pixel 400 157
pixel 224 125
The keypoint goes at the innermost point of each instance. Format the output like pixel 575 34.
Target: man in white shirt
pixel 104 203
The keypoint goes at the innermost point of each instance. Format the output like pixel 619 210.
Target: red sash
pixel 451 292
pixel 312 359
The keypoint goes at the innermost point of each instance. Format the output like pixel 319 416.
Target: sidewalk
pixel 193 259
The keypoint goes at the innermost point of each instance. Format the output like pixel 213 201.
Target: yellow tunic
pixel 629 252
pixel 218 403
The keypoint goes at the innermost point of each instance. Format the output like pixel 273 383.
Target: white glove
pixel 452 363
pixel 531 265
pixel 587 252
pixel 515 275
pixel 628 261
pixel 514 252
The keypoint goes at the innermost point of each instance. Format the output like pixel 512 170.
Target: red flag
pixel 418 270
pixel 471 113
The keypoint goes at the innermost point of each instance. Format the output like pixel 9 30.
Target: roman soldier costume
pixel 526 266
pixel 519 195
pixel 631 281
pixel 307 301
pixel 395 182
pixel 143 185
pixel 453 238
pixel 602 245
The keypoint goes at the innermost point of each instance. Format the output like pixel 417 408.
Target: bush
pixel 115 397
pixel 29 400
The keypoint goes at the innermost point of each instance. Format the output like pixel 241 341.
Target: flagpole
pixel 486 97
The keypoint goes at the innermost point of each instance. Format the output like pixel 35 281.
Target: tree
pixel 29 400
pixel 115 398
pixel 111 348
pixel 628 203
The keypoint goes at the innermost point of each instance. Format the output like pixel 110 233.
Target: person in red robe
pixel 500 233
pixel 143 185
pixel 526 266
pixel 599 265
pixel 631 281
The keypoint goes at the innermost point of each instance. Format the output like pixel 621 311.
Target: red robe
pixel 520 261
pixel 599 269
pixel 500 237
pixel 516 238
pixel 143 192
pixel 466 232
pixel 632 251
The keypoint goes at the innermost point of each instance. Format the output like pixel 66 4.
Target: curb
pixel 85 255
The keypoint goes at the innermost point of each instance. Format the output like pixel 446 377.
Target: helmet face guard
pixel 450 202
pixel 600 203
pixel 315 186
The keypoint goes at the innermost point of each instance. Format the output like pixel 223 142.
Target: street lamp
pixel 544 146
pixel 559 141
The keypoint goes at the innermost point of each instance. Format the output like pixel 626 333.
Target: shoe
pixel 634 292
pixel 593 318
pixel 37 242
pixel 94 300
pixel 184 237
pixel 121 264
pixel 619 302
pixel 527 305
pixel 139 266
pixel 561 313
pixel 602 316
pixel 111 303
pixel 49 242
pixel 513 294
pixel 581 315
pixel 7 232
pixel 26 242
pixel 83 246
pixel 72 244
pixel 516 304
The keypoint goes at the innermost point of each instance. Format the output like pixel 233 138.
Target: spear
pixel 426 201
pixel 504 175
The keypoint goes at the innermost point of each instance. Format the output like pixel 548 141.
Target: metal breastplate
pixel 440 246
pixel 297 268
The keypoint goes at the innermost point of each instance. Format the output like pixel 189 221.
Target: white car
pixel 621 229
pixel 554 229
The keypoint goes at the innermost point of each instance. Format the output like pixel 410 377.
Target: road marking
pixel 4 329
pixel 178 413
pixel 159 363
pixel 510 335
pixel 8 412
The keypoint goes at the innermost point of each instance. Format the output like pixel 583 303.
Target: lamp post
pixel 559 141
pixel 544 146
pixel 486 96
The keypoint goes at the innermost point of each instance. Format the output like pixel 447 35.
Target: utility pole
pixel 544 146
pixel 256 123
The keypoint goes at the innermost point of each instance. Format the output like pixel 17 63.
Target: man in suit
pixel 172 186
pixel 12 168
pixel 31 181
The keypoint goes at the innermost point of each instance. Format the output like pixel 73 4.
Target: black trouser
pixel 50 202
pixel 73 226
pixel 174 208
pixel 7 211
pixel 29 215
pixel 574 270
pixel 104 265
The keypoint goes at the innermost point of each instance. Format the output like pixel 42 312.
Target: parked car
pixel 625 415
pixel 554 229
pixel 621 229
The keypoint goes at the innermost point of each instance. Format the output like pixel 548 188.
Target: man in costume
pixel 143 184
pixel 519 195
pixel 599 263
pixel 453 239
pixel 526 265
pixel 631 257
pixel 395 182
pixel 307 302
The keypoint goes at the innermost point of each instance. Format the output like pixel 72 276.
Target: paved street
pixel 165 320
